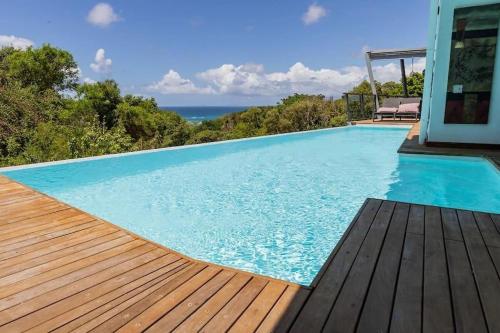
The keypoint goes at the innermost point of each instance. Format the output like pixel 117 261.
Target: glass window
pixel 472 62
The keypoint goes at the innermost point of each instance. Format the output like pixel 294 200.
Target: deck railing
pixel 359 106
pixel 363 106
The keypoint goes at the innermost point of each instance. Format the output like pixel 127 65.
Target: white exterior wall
pixel 433 127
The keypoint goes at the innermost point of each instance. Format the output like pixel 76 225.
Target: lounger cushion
pixel 410 107
pixel 384 109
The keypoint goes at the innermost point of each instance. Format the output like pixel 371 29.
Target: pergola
pixel 392 54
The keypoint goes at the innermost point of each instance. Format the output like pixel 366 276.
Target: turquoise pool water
pixel 275 205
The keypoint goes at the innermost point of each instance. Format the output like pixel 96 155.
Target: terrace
pixel 398 267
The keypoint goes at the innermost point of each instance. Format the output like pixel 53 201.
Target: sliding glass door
pixel 472 64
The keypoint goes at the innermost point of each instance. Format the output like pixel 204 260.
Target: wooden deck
pixel 64 270
pixel 399 267
pixel 410 268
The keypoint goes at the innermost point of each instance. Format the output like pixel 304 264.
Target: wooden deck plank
pixel 175 317
pixel 80 252
pixel 122 318
pixel 225 318
pixel 250 320
pixel 466 304
pixel 495 257
pixel 17 283
pixel 284 312
pixel 346 310
pixel 64 230
pixel 23 211
pixel 437 310
pixel 59 214
pixel 74 306
pixel 152 314
pixel 206 312
pixel 101 314
pixel 26 233
pixel 451 227
pixel 32 299
pixel 488 282
pixel 31 259
pixel 47 232
pixel 496 220
pixel 316 310
pixel 416 219
pixel 54 244
pixel 378 304
pixel 407 309
pixel 487 227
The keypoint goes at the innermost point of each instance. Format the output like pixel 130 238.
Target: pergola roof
pixel 397 53
pixel 392 54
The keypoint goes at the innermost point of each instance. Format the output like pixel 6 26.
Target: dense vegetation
pixel 46 114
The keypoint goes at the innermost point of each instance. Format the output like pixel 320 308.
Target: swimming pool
pixel 274 205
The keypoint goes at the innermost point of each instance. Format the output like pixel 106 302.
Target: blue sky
pixel 220 52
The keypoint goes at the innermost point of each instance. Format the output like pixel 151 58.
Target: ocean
pixel 200 113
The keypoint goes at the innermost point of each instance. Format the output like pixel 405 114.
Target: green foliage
pixel 415 84
pixel 294 113
pixel 103 98
pixel 205 136
pixel 43 68
pixel 150 127
pixel 95 140
pixel 391 88
pixel 45 115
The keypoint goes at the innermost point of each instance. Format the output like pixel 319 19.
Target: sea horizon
pixel 200 113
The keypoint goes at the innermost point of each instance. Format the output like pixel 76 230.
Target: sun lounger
pixel 409 108
pixel 389 108
pixel 399 107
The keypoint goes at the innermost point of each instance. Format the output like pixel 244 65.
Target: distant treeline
pixel 47 115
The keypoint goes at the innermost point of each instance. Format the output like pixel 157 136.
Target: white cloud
pixel 418 65
pixel 102 15
pixel 253 80
pixel 15 42
pixel 248 79
pixel 101 64
pixel 88 80
pixel 392 71
pixel 83 79
pixel 314 13
pixel 172 83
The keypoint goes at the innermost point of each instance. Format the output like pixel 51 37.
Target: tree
pixel 45 68
pixel 416 84
pixel 365 88
pixel 40 122
pixel 103 98
pixel 391 88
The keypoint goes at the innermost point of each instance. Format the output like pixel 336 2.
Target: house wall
pixel 434 128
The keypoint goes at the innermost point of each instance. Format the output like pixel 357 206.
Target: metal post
pixel 370 76
pixel 375 102
pixel 403 77
pixel 361 106
pixel 347 111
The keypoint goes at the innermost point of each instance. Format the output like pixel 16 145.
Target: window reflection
pixel 472 62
